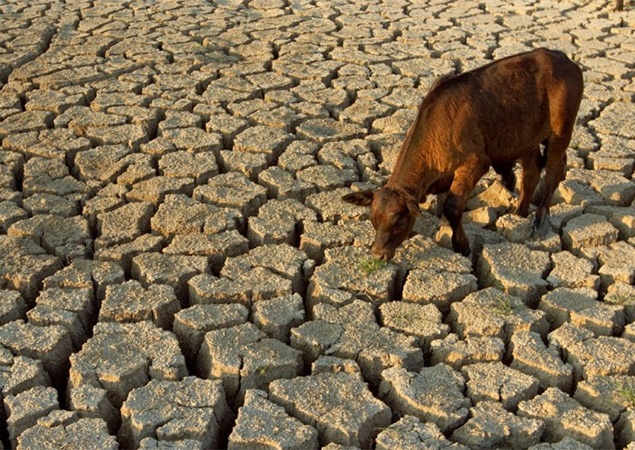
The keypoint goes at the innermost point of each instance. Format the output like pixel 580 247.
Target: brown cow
pixel 491 116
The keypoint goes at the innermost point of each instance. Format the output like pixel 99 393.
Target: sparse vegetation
pixel 262 371
pixel 626 390
pixel 400 319
pixel 369 265
pixel 504 304
pixel 621 299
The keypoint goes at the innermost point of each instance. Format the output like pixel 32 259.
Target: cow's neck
pixel 413 173
pixel 412 182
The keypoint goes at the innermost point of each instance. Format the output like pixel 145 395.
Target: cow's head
pixel 392 213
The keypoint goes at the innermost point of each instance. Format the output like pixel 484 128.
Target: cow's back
pixel 509 105
pixel 497 112
pixel 543 83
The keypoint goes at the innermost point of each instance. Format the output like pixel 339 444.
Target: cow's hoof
pixel 462 249
pixel 540 228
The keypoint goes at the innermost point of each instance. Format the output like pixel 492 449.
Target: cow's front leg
pixel 453 211
pixel 506 171
pixel 465 179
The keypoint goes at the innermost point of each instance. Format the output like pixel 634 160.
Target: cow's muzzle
pixel 383 253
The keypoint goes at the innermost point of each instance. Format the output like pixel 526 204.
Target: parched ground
pixel 178 270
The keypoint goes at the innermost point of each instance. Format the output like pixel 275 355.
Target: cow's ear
pixel 361 198
pixel 413 208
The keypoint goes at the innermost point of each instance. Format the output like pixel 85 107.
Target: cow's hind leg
pixel 531 165
pixel 465 179
pixel 556 148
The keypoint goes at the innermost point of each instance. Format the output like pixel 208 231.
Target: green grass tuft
pixel 369 265
pixel 624 300
pixel 504 304
pixel 626 390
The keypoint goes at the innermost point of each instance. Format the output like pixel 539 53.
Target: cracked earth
pixel 177 268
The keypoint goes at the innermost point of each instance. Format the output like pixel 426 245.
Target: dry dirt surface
pixel 177 269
